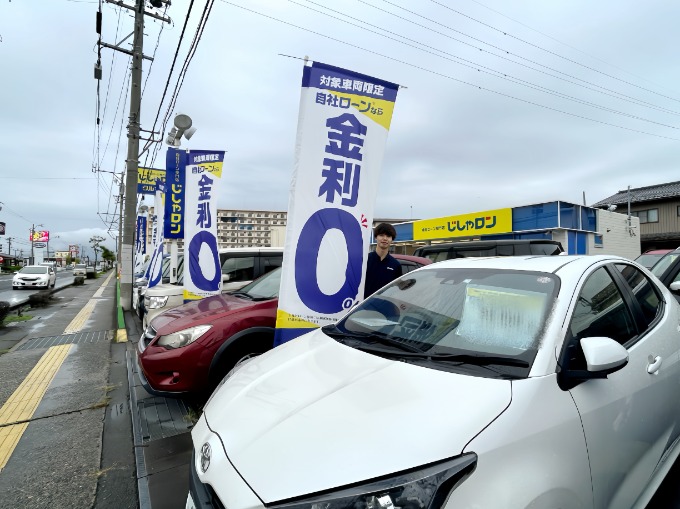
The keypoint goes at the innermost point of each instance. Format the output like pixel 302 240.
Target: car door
pixel 629 418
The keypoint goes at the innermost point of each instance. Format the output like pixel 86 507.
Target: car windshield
pixel 660 267
pixel 478 316
pixel 649 260
pixel 34 270
pixel 263 288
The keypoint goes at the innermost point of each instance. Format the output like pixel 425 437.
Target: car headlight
pixel 422 488
pixel 155 302
pixel 183 337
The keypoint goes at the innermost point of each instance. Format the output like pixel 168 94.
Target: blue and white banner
pixel 202 270
pixel 140 242
pixel 155 268
pixel 342 131
pixel 175 161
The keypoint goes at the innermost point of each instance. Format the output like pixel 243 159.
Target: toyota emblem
pixel 206 452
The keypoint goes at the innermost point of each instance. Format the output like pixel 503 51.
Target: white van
pixel 240 266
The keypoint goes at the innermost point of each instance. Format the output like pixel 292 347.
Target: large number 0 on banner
pixel 306 260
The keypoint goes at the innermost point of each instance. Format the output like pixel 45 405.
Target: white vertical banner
pixel 155 270
pixel 140 242
pixel 202 270
pixel 342 131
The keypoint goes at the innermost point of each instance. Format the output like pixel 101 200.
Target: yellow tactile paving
pixel 79 321
pixel 22 404
pixel 102 287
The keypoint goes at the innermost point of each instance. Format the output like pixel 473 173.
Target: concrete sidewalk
pixel 55 452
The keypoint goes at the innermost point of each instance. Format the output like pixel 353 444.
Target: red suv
pixel 189 349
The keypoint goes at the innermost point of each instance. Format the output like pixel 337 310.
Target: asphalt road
pixel 16 297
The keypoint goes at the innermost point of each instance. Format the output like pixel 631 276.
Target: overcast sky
pixel 503 103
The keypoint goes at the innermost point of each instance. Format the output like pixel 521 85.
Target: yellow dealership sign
pixel 465 225
pixel 146 180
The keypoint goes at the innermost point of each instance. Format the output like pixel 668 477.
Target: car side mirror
pixel 675 286
pixel 603 355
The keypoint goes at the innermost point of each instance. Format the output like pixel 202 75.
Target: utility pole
pixel 9 245
pixel 121 193
pixel 132 161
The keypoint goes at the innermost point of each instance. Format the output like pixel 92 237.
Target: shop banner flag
pixel 156 264
pixel 175 162
pixel 140 242
pixel 202 270
pixel 342 131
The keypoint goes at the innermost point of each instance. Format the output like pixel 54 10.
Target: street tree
pixel 94 242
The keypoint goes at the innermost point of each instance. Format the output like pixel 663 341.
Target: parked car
pixel 240 266
pixel 667 269
pixel 649 258
pixel 531 381
pixel 465 249
pixel 190 348
pixel 140 285
pixel 80 270
pixel 240 325
pixel 34 276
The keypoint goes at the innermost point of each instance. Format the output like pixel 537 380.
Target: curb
pixel 121 334
pixel 23 302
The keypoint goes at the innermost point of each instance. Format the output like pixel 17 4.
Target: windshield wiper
pixel 478 359
pixel 376 337
pixel 241 294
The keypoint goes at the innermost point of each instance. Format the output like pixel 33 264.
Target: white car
pixel 509 382
pixel 34 276
pixel 80 270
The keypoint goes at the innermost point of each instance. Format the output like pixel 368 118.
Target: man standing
pixel 381 268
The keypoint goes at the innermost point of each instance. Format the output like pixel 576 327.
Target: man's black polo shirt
pixel 380 272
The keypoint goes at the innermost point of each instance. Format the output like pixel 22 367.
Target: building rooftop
pixel 643 194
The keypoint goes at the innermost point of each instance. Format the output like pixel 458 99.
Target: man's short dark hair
pixel 385 229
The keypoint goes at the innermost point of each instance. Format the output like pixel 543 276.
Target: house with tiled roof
pixel 657 207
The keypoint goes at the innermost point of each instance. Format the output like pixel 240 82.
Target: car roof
pixel 535 263
pixel 411 258
pixel 657 251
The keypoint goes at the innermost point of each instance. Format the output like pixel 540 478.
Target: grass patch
pixel 192 416
pixel 16 318
pixel 104 402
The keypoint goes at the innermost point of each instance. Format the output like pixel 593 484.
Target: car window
pixel 645 292
pixel 270 262
pixel 34 270
pixel 266 287
pixel 601 311
pixel 660 267
pixel 460 310
pixel 239 269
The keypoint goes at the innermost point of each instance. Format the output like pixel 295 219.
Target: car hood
pixel 199 312
pixel 313 415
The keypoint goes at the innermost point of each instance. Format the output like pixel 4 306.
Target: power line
pixel 436 73
pixel 544 49
pixel 482 68
pixel 602 89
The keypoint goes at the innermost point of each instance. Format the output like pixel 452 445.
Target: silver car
pixel 510 382
pixel 80 270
